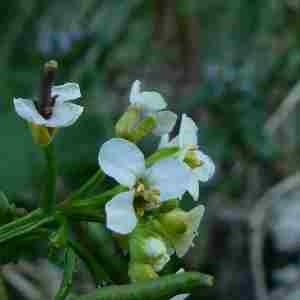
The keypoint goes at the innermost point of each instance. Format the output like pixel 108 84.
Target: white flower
pixel 152 103
pixel 125 162
pixel 201 165
pixel 64 113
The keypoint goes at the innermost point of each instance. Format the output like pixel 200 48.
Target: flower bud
pixel 141 272
pixel 182 227
pixel 148 247
pixel 145 127
pixel 175 222
pixel 127 122
pixel 192 160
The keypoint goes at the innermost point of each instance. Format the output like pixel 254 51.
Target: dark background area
pixel 234 66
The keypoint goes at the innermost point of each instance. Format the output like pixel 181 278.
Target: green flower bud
pixel 191 159
pixel 128 122
pixel 145 127
pixel 181 227
pixel 141 272
pixel 148 247
pixel 175 222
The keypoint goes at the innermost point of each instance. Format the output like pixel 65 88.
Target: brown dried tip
pixel 51 65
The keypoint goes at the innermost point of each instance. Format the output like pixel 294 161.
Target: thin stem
pixel 69 268
pixel 48 201
pixel 88 186
pixel 91 262
pixel 97 238
pixel 162 288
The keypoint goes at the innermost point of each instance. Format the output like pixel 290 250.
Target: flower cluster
pixel 146 214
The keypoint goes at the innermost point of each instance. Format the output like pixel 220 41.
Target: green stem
pixel 91 262
pixel 48 200
pixel 93 202
pixel 162 288
pixel 99 239
pixel 69 268
pixel 88 186
pixel 27 227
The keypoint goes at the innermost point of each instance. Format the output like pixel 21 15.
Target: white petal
pixel 187 132
pixel 152 101
pixel 180 297
pixel 207 169
pixel 26 109
pixel 66 92
pixel 120 213
pixel 170 176
pixel 122 160
pixel 193 187
pixel 64 114
pixel 164 141
pixel 135 92
pixel 165 121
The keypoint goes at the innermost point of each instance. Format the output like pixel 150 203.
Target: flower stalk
pixel 48 200
pixel 162 288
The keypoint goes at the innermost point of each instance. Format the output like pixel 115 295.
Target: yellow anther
pixel 140 188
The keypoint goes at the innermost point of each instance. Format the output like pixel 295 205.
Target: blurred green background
pixel 232 65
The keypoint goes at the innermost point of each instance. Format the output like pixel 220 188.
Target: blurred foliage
pixel 229 64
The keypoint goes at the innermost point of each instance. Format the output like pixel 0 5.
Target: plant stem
pixel 88 186
pixel 48 200
pixel 162 288
pixel 91 262
pixel 69 267
pixel 96 237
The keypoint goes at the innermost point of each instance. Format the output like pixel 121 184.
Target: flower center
pixel 146 198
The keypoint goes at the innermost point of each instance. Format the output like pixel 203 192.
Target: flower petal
pixel 206 170
pixel 193 187
pixel 187 132
pixel 122 160
pixel 164 141
pixel 64 114
pixel 26 109
pixel 135 92
pixel 170 176
pixel 151 101
pixel 120 213
pixel 165 121
pixel 66 92
pixel 180 297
